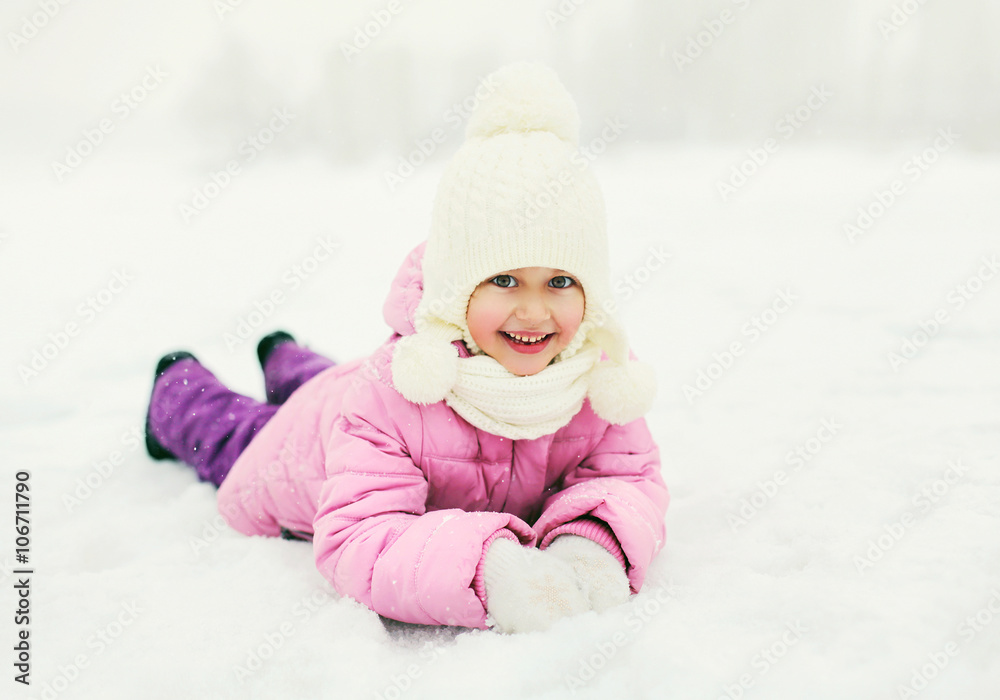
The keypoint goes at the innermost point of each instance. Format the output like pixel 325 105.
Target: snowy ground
pixel 835 524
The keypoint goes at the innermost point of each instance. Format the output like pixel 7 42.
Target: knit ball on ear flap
pixel 424 366
pixel 526 97
pixel 621 393
pixel 621 389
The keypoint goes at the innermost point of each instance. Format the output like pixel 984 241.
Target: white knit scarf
pixel 521 408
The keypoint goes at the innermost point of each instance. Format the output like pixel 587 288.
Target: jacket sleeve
pixel 374 540
pixel 616 495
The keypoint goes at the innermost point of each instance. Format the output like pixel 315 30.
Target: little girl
pixel 489 464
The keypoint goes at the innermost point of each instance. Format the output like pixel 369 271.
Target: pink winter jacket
pixel 401 499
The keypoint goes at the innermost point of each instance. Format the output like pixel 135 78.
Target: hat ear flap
pixel 424 367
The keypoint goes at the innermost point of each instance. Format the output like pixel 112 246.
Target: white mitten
pixel 528 590
pixel 601 575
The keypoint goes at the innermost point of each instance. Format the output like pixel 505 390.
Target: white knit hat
pixel 518 194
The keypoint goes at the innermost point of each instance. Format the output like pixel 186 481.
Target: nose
pixel 531 308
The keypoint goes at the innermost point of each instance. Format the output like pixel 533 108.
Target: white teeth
pixel 526 340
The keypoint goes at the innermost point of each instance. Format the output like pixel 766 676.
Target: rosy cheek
pixel 570 314
pixel 484 318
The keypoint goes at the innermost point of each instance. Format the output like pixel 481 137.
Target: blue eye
pixel 503 281
pixel 562 282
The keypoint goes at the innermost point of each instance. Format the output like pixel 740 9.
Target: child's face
pixel 532 302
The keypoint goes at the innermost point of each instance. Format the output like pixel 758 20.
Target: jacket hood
pixel 404 296
pixel 404 293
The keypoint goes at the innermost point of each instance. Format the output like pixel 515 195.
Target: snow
pixel 835 524
pixel 142 544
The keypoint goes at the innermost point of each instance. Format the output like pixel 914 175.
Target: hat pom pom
pixel 622 393
pixel 424 368
pixel 525 97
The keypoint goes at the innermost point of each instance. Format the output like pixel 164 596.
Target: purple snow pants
pixel 206 425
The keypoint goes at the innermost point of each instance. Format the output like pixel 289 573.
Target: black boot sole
pixel 153 446
pixel 269 342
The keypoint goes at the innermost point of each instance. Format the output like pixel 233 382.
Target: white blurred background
pixel 897 69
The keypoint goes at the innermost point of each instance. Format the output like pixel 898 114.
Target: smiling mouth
pixel 526 340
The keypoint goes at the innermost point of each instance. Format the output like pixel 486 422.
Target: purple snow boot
pixel 287 365
pixel 196 419
pixel 153 446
